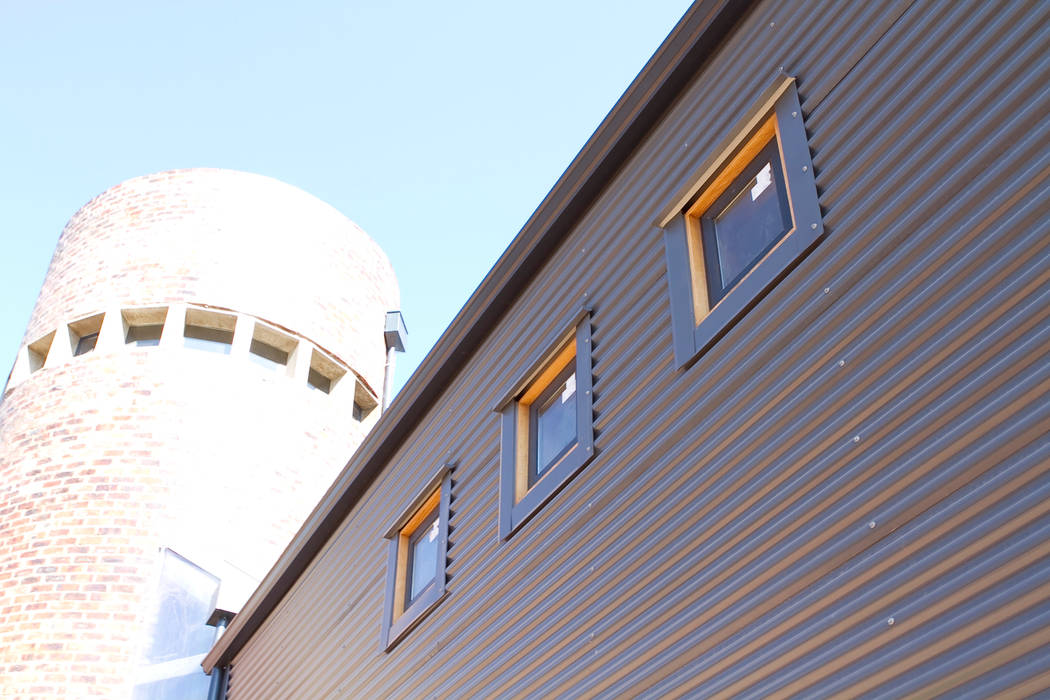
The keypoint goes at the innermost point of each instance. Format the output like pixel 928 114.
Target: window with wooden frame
pixel 547 432
pixel 743 222
pixel 416 556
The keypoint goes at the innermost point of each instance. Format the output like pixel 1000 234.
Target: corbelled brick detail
pixel 109 456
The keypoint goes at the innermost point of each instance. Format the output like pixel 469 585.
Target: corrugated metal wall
pixel 849 493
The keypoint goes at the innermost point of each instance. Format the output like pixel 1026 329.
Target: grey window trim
pixel 695 330
pixel 396 628
pixel 515 512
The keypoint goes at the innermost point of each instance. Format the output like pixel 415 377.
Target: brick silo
pixel 205 354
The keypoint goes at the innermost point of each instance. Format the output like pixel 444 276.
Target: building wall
pixel 109 456
pixel 847 493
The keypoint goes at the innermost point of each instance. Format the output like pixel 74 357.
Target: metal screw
pixel 827 290
pixel 871 525
pixel 890 621
pixel 842 363
pixel 856 438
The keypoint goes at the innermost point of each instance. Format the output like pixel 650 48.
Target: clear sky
pixel 437 126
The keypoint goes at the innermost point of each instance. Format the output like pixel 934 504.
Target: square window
pixel 552 424
pixel 144 336
pixel 266 355
pixel 422 558
pixel 209 331
pixel 143 327
pixel 364 402
pixel 547 432
pixel 747 220
pixel 38 350
pixel 210 339
pixel 83 334
pixel 324 373
pixel 271 348
pixel 416 557
pixel 316 380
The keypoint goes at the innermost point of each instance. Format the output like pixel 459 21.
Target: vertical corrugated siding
pixel 750 526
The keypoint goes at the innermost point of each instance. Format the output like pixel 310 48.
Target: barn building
pixel 755 404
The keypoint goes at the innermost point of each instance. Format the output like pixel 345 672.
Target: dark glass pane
pixel 423 558
pixel 318 381
pixel 145 335
pixel 751 222
pixel 210 339
pixel 555 423
pixel 86 343
pixel 266 355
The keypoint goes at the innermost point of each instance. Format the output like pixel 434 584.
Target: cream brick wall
pixel 109 456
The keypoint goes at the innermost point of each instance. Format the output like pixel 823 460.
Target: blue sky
pixel 437 127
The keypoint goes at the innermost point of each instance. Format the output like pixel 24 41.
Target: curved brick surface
pixel 228 239
pixel 109 456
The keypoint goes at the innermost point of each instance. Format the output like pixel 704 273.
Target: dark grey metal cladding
pixel 870 443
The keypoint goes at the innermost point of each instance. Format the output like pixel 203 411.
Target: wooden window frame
pixel 717 287
pixel 401 615
pixel 697 319
pixel 521 497
pixel 546 397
